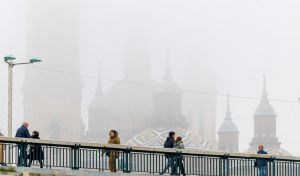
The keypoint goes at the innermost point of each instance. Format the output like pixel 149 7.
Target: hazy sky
pixel 238 40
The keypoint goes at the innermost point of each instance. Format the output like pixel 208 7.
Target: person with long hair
pixel 36 152
pixel 179 160
pixel 113 155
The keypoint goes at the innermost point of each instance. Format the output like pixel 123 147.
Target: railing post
pixel 126 161
pixel 224 165
pixel 76 157
pixel 272 161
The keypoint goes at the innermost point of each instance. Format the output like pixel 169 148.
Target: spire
pixel 228 112
pixel 168 72
pixel 228 125
pixel 264 96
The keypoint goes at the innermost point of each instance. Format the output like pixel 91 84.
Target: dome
pixel 265 109
pixel 228 126
pixel 157 137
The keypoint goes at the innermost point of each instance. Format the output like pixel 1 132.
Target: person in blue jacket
pixel 261 164
pixel 22 132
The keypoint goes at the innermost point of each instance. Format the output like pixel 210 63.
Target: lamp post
pixel 10 61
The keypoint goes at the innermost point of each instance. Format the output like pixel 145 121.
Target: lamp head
pixel 33 60
pixel 9 58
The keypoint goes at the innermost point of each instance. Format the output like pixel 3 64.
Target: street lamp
pixel 10 61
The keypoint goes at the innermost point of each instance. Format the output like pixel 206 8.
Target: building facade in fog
pixel 143 110
pixel 228 133
pixel 52 100
pixel 265 127
pixel 168 117
pixel 128 105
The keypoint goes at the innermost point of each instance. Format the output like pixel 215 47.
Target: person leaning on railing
pixel 113 155
pixel 261 164
pixel 36 152
pixel 179 160
pixel 22 132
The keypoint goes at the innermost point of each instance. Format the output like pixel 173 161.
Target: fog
pixel 214 48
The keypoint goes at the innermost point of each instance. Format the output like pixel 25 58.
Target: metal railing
pixel 72 155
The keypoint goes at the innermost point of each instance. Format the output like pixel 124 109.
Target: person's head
pixel 172 134
pixel 35 134
pixel 260 147
pixel 178 139
pixel 113 133
pixel 25 124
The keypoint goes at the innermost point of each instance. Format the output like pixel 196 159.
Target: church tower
pixel 52 92
pixel 130 100
pixel 167 102
pixel 98 123
pixel 265 124
pixel 228 133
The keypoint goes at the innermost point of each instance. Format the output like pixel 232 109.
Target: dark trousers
pixel 170 164
pixel 22 155
pixel 262 171
pixel 180 164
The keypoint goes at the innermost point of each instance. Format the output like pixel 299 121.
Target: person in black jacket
pixel 22 132
pixel 169 143
pixel 261 164
pixel 35 151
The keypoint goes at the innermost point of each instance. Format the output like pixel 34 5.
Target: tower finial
pixel 265 93
pixel 228 112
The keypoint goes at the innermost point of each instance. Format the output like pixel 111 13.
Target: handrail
pixel 195 152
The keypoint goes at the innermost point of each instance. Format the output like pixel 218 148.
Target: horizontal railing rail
pixel 78 155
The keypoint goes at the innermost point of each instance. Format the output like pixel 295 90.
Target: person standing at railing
pixel 179 160
pixel 36 152
pixel 22 132
pixel 261 164
pixel 113 155
pixel 169 143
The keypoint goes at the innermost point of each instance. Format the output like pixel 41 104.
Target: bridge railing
pixel 76 155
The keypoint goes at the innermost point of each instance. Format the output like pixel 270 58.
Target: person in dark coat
pixel 22 132
pixel 169 143
pixel 261 164
pixel 36 152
